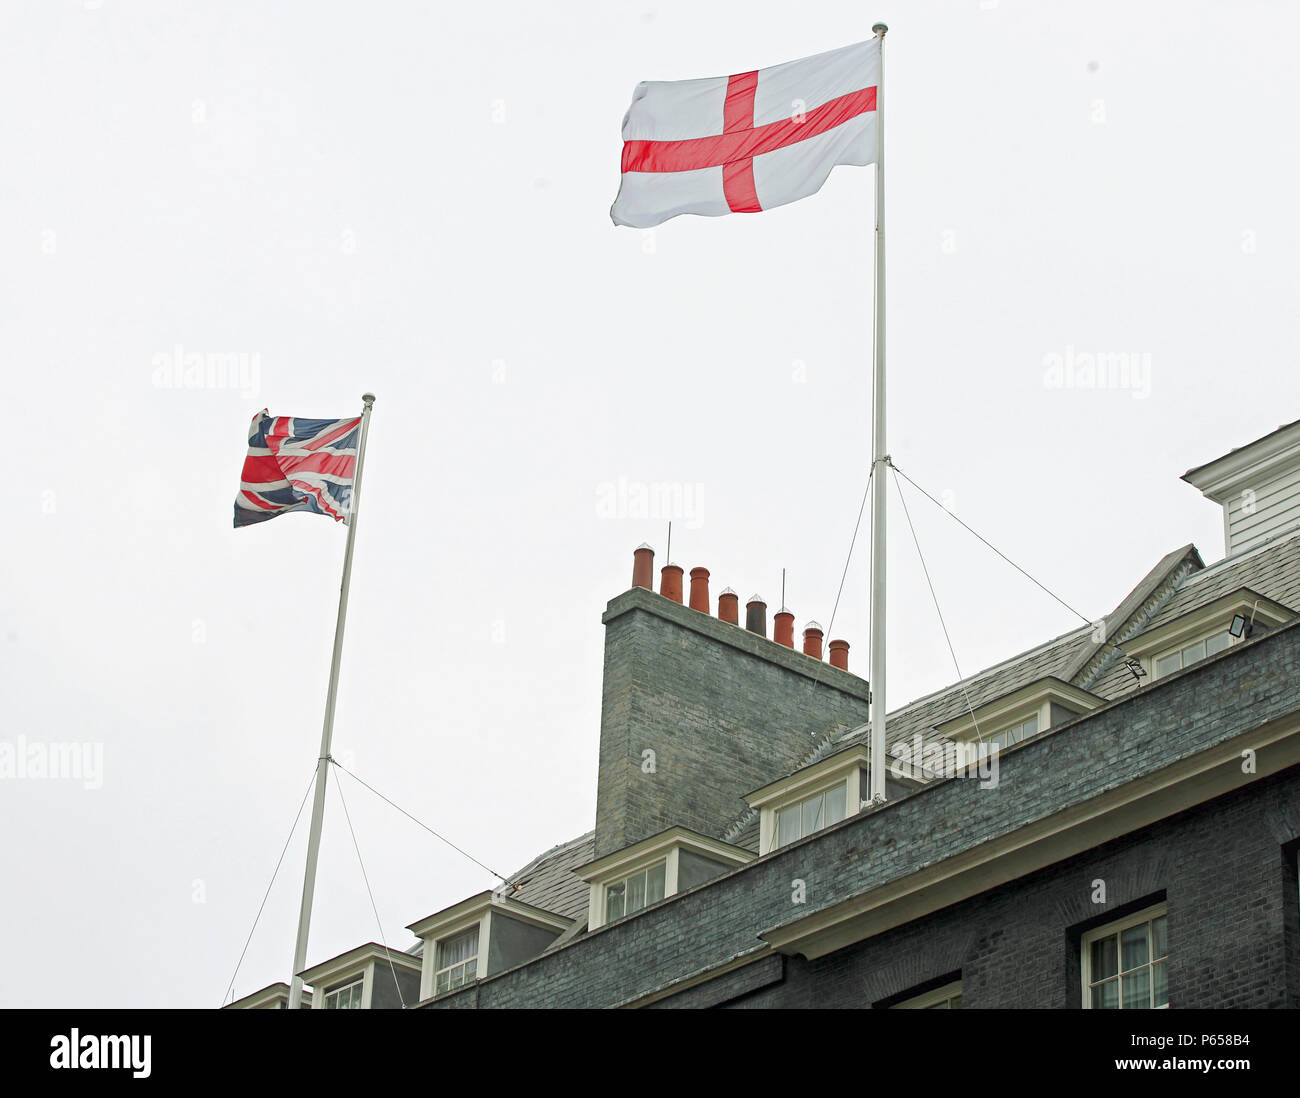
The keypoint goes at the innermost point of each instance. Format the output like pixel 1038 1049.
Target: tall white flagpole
pixel 327 733
pixel 879 459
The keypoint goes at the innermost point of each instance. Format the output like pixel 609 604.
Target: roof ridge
pixel 1268 543
pixel 987 671
pixel 1136 608
pixel 547 854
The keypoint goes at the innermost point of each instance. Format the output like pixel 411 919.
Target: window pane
pixel 1106 996
pixel 1193 652
pixel 1134 947
pixel 444 981
pixel 1217 643
pixel 1104 959
pixel 788 820
pixel 1013 735
pixel 835 801
pixel 1137 990
pixel 655 883
pixel 635 893
pixel 455 950
pixel 1168 665
pixel 1031 726
pixel 1159 947
pixel 613 902
pixel 1161 982
pixel 812 814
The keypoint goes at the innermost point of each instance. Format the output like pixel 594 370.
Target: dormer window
pixel 480 937
pixel 797 821
pixel 648 872
pixel 1186 655
pixel 809 800
pixel 370 977
pixel 346 997
pixel 1019 716
pixel 457 960
pixel 642 888
pixel 1176 645
pixel 1009 737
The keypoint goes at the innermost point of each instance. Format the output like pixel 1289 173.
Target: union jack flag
pixel 298 465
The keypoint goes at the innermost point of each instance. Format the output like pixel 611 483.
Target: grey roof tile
pixel 548 881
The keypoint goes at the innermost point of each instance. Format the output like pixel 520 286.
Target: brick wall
pixel 1231 894
pixel 1219 868
pixel 725 711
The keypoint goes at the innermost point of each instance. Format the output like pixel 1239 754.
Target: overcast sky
pixel 413 199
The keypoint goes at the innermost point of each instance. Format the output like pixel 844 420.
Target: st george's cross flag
pixel 745 143
pixel 298 465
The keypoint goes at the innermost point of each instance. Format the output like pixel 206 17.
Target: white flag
pixel 746 143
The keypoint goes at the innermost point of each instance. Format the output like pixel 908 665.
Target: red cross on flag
pixel 744 143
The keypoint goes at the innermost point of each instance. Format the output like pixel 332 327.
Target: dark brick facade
pixel 1224 870
pixel 724 710
pixel 1221 865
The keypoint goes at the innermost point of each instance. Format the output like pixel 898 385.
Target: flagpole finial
pixel 879 29
pixel 368 399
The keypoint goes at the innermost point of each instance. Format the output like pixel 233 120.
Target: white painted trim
pixel 273 997
pixel 1106 931
pixel 771 810
pixel 1011 709
pixel 819 775
pixel 1204 621
pixel 334 986
pixel 355 961
pixel 1264 458
pixel 624 861
pixel 596 903
pixel 1043 842
pixel 929 998
pixel 432 952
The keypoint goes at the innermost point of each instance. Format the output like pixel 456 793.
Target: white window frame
pixel 1039 716
pixel 1202 639
pixel 480 946
pixel 844 767
pixel 642 871
pixel 1012 710
pixel 357 985
pixel 1152 645
pixel 930 1000
pixel 477 911
pixel 811 795
pixel 1115 929
pixel 666 847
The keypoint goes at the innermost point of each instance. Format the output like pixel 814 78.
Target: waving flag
pixel 297 465
pixel 745 143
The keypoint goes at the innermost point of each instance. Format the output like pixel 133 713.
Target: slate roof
pixel 548 881
pixel 1177 585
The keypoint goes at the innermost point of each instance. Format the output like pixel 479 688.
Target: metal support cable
pixel 280 861
pixel 1042 586
pixel 366 877
pixel 421 823
pixel 933 595
pixel 866 491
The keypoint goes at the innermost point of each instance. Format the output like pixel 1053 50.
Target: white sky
pixel 414 199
